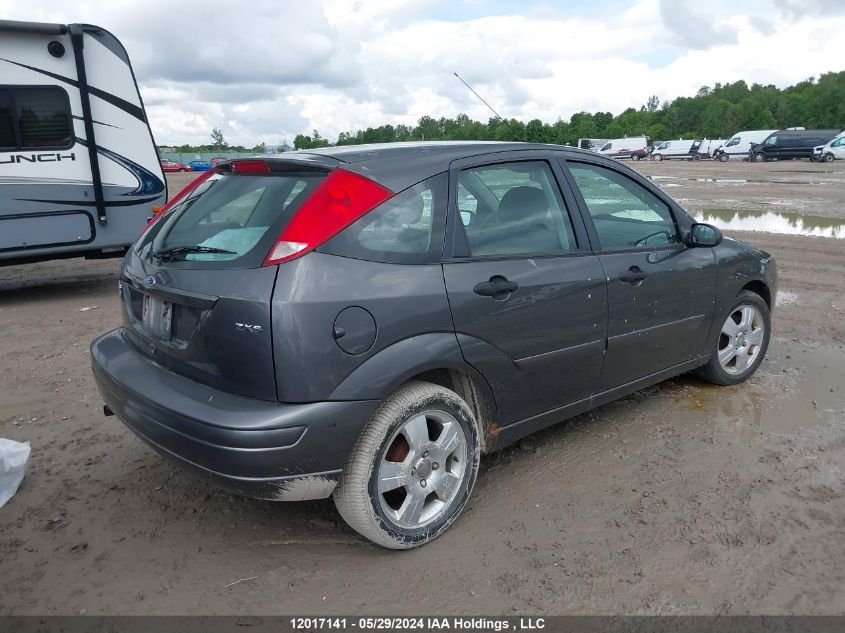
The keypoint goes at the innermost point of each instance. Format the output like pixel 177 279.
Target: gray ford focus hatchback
pixel 364 322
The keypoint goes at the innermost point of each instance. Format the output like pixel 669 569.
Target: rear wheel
pixel 696 156
pixel 635 157
pixel 742 342
pixel 413 468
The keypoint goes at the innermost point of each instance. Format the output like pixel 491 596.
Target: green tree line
pixel 716 112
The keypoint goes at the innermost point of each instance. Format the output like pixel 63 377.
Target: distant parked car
pixel 217 159
pixel 172 165
pixel 200 165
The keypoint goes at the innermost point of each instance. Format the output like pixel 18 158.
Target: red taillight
pixel 250 167
pixel 337 202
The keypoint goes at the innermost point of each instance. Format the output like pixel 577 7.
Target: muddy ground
pixel 682 498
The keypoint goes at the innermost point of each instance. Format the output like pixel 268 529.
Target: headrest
pixel 522 203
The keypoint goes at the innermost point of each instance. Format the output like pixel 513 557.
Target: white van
pixel 633 147
pixel 592 144
pixel 678 148
pixel 834 149
pixel 705 148
pixel 740 144
pixel 79 171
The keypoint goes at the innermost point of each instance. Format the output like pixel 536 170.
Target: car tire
pixel 741 346
pixel 658 157
pixel 828 158
pixel 723 158
pixel 759 157
pixel 635 157
pixel 412 470
pixel 181 171
pixel 696 156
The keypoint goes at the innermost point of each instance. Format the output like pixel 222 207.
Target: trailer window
pixel 7 128
pixel 35 117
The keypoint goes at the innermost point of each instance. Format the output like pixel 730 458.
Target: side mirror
pixel 704 236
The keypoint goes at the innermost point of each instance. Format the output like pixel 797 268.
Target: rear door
pixel 527 296
pixel 660 293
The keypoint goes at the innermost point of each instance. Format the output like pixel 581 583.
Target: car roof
pixel 400 165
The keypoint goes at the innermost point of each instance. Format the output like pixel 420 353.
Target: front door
pixel 527 296
pixel 660 293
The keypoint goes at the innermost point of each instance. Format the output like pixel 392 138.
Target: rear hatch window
pixel 231 220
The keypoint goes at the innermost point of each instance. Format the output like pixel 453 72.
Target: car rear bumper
pixel 284 452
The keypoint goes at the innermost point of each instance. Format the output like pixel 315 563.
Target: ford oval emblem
pixel 149 280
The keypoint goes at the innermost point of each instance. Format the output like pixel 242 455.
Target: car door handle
pixel 632 276
pixel 498 286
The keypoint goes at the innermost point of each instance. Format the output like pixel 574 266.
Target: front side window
pixel 34 117
pixel 624 213
pixel 607 147
pixel 771 140
pixel 664 145
pixel 516 207
pixel 838 142
pixel 734 141
pixel 407 229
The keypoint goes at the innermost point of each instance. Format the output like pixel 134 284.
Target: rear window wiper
pixel 186 250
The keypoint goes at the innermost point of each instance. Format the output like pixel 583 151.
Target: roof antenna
pixel 501 118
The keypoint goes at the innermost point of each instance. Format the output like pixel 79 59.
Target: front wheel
pixel 181 171
pixel 742 341
pixel 658 157
pixel 723 158
pixel 759 157
pixel 635 157
pixel 828 158
pixel 412 470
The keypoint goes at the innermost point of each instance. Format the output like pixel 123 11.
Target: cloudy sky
pixel 266 70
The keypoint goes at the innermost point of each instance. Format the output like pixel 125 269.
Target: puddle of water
pixel 773 222
pixel 786 298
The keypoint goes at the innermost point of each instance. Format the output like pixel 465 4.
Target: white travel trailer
pixel 79 171
pixel 679 148
pixel 740 144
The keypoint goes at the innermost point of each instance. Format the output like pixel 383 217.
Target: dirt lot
pixel 680 499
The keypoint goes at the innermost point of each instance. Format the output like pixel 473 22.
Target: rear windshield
pixel 234 219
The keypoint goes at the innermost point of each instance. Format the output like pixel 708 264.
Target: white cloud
pixel 266 71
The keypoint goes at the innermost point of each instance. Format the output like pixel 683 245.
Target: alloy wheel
pixel 421 471
pixel 741 339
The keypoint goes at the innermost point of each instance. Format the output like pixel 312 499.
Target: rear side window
pixel 35 117
pixel 407 229
pixel 235 219
pixel 513 208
